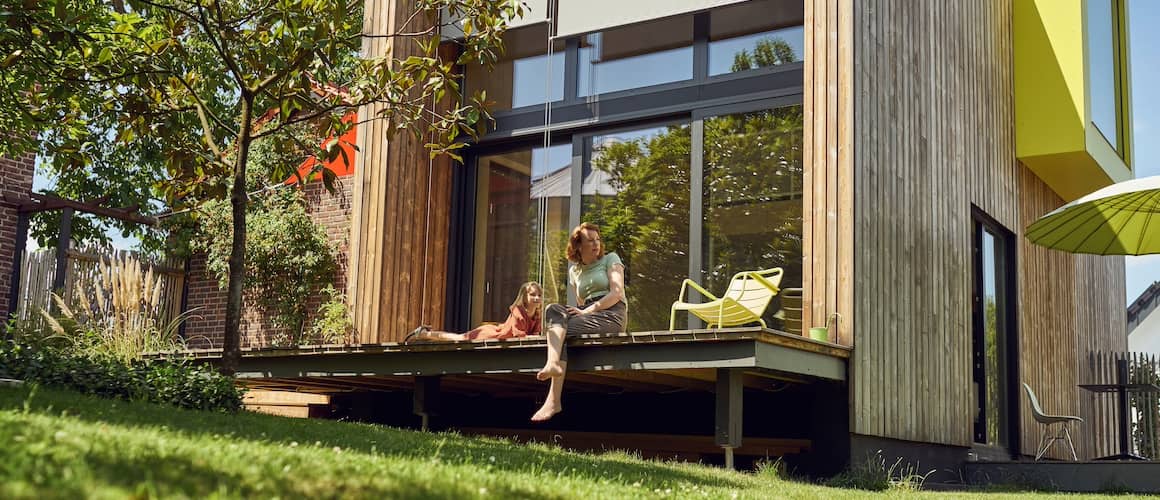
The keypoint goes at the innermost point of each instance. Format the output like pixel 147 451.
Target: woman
pixel 523 320
pixel 598 280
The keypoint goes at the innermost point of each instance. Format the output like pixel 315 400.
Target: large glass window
pixel 1102 35
pixel 752 198
pixel 636 187
pixel 632 170
pixel 636 56
pixel 526 75
pixel 755 34
pixel 522 218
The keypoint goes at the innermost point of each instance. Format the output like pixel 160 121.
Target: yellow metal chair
pixel 744 302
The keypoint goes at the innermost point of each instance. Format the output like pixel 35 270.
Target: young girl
pixel 523 320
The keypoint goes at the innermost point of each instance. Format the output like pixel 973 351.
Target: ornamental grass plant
pixel 115 310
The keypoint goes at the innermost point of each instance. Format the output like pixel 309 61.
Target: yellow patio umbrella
pixel 1121 219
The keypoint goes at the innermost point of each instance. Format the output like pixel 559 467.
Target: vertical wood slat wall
pixel 934 134
pixel 1101 327
pixel 1072 306
pixel 828 234
pixel 399 221
pixel 1047 321
pixel 933 120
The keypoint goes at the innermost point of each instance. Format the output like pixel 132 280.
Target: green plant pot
pixel 820 333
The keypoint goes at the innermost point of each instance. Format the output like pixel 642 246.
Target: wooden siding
pixel 828 234
pixel 400 218
pixel 1071 306
pixel 1100 326
pixel 934 136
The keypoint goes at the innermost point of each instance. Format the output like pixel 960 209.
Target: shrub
pixel 332 324
pixel 176 383
pixel 288 255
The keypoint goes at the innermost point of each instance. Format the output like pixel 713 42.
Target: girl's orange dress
pixel 519 324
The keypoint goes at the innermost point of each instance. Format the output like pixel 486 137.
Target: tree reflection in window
pixel 753 197
pixel 637 190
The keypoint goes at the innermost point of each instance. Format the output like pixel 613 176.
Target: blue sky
pixel 1144 44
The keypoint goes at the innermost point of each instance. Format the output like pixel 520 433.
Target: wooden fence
pixel 1144 406
pixel 39 271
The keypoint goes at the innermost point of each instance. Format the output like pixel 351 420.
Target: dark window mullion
pixel 571 69
pixel 701 47
pixel 696 211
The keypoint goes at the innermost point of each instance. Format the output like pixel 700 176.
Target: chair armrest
pixel 757 276
pixel 685 288
pixel 764 281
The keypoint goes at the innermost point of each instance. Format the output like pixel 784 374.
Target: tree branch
pixel 218 42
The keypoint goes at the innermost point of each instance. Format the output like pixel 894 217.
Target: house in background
pixel 1143 325
pixel 887 156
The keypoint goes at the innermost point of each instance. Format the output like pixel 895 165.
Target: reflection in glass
pixel 752 198
pixel 993 337
pixel 526 75
pixel 521 206
pixel 637 56
pixel 755 34
pixel 636 188
pixel 1101 41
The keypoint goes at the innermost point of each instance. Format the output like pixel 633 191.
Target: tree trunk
pixel 231 345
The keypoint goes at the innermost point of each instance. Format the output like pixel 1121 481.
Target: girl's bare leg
pixel 448 336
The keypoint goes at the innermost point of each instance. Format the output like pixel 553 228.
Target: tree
pixel 207 79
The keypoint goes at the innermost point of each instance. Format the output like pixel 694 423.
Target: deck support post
pixel 426 402
pixel 730 392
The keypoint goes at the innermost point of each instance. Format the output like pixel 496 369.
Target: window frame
pixel 1120 79
pixel 507 126
pixel 1007 291
pixel 577 119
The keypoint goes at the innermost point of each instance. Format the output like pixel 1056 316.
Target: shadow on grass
pixel 372 440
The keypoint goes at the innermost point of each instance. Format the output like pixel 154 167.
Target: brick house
pixel 204 294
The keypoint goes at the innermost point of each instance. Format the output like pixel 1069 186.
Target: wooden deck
pixel 681 368
pixel 643 362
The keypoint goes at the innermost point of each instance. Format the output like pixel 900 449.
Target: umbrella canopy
pixel 1120 219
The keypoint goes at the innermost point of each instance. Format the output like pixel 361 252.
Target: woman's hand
pixel 580 312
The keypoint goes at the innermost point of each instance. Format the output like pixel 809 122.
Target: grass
pixel 56 444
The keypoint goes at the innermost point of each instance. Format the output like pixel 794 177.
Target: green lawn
pixel 63 445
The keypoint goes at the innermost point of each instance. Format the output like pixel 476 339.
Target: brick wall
pixel 15 182
pixel 205 329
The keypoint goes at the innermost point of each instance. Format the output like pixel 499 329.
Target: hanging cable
pixel 542 203
pixel 427 227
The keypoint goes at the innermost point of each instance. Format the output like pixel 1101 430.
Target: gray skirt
pixel 611 320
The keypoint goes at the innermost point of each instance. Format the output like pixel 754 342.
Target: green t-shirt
pixel 591 280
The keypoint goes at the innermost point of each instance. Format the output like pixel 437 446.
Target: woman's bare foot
pixel 550 370
pixel 547 411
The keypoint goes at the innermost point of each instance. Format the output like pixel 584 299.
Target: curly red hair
pixel 577 238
